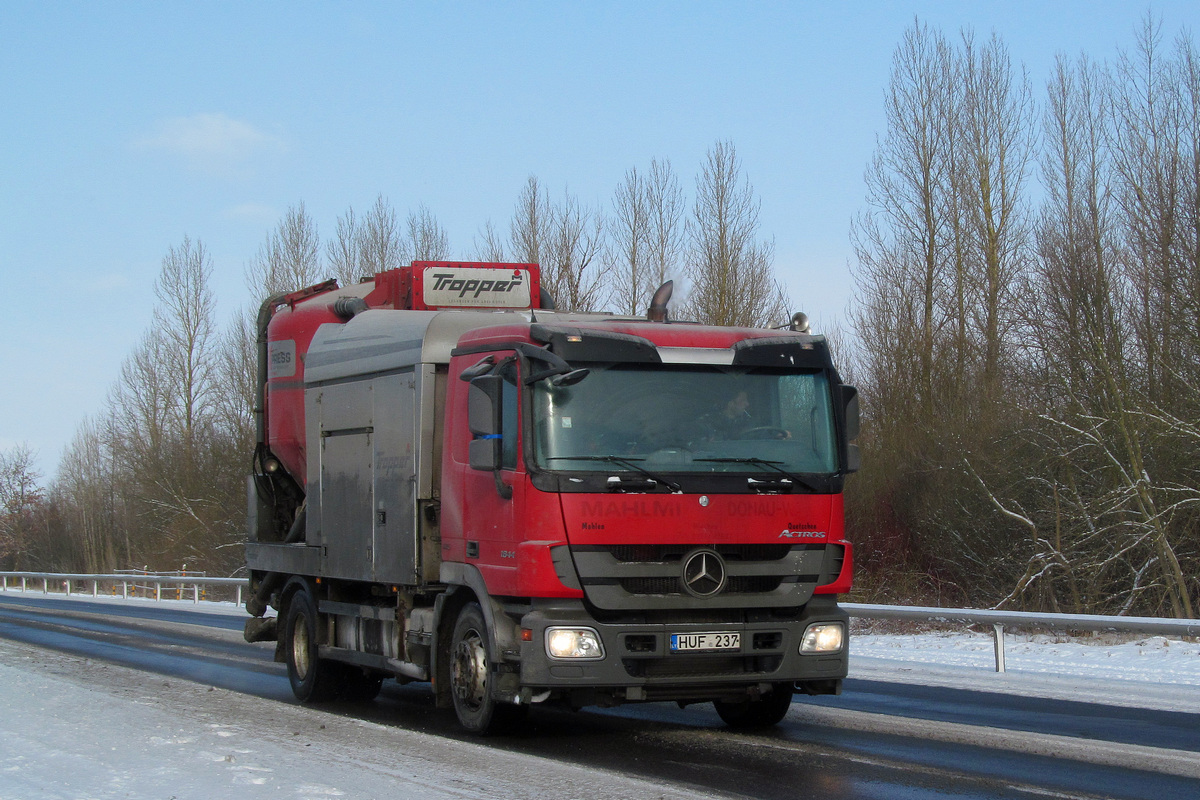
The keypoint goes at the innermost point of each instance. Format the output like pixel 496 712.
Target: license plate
pixel 699 642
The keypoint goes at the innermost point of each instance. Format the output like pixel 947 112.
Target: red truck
pixel 456 484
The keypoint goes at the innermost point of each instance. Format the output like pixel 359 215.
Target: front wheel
pixel 313 679
pixel 470 673
pixel 761 713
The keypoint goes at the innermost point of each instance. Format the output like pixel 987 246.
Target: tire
pixel 756 714
pixel 470 676
pixel 313 679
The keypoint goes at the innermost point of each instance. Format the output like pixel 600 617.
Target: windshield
pixel 686 419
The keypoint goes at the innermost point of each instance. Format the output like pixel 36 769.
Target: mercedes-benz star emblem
pixel 703 573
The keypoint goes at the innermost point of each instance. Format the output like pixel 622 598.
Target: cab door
pixel 492 498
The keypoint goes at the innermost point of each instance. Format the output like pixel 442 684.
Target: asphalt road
pixel 877 740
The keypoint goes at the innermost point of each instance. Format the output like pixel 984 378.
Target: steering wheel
pixel 765 432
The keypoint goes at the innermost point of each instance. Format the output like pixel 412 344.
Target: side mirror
pixel 849 397
pixel 483 419
pixel 570 378
pixel 850 408
pixel 853 458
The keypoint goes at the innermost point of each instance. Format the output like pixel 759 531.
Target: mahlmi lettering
pixel 629 508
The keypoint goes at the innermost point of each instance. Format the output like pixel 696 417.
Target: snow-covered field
pixel 79 729
pixel 1145 671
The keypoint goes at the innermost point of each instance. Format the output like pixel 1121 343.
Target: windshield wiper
pixel 628 463
pixel 762 462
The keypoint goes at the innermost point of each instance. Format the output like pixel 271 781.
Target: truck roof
pixel 382 340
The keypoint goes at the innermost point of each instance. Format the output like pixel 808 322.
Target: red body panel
pixel 685 519
pixel 285 392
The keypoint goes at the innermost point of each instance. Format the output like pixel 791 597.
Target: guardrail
pixel 63 582
pixel 1025 619
pixel 974 616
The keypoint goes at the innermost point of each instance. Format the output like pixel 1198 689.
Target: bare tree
pixel 144 399
pixel 1077 288
pixel 627 254
pixel 994 115
pixel 290 257
pixel 237 366
pixel 570 270
pixel 939 252
pixel 343 252
pixel 159 468
pixel 1154 148
pixel 646 236
pixel 1095 470
pixel 530 226
pixel 905 244
pixel 1149 160
pixel 565 239
pixel 427 239
pixel 20 496
pixel 666 240
pixel 733 282
pixel 381 244
pixel 89 490
pixel 184 319
pixel 488 244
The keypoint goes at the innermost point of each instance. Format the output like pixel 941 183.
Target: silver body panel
pixel 373 396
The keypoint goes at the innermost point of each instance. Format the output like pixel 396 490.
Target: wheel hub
pixel 300 654
pixel 469 680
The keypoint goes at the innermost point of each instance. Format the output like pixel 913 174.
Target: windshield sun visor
pixel 586 344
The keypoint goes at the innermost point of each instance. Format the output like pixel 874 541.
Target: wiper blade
pixel 628 463
pixel 762 462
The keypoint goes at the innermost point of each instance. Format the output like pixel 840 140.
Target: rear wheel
pixel 764 712
pixel 313 679
pixel 470 674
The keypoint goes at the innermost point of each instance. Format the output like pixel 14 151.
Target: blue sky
pixel 126 126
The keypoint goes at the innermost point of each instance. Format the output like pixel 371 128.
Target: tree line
pixel 156 478
pixel 1028 291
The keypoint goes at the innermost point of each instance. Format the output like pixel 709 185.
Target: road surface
pixel 879 739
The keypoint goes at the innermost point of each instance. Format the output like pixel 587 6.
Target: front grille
pixel 631 577
pixel 736 585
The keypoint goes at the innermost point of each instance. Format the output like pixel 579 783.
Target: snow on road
pixel 75 729
pixel 80 729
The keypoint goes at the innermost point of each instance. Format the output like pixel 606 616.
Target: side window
pixel 510 419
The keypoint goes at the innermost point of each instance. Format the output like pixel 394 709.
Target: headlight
pixel 823 637
pixel 583 643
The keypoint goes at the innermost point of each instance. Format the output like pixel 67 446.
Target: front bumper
pixel 639 665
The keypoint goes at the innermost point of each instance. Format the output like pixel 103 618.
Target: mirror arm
pixel 503 489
